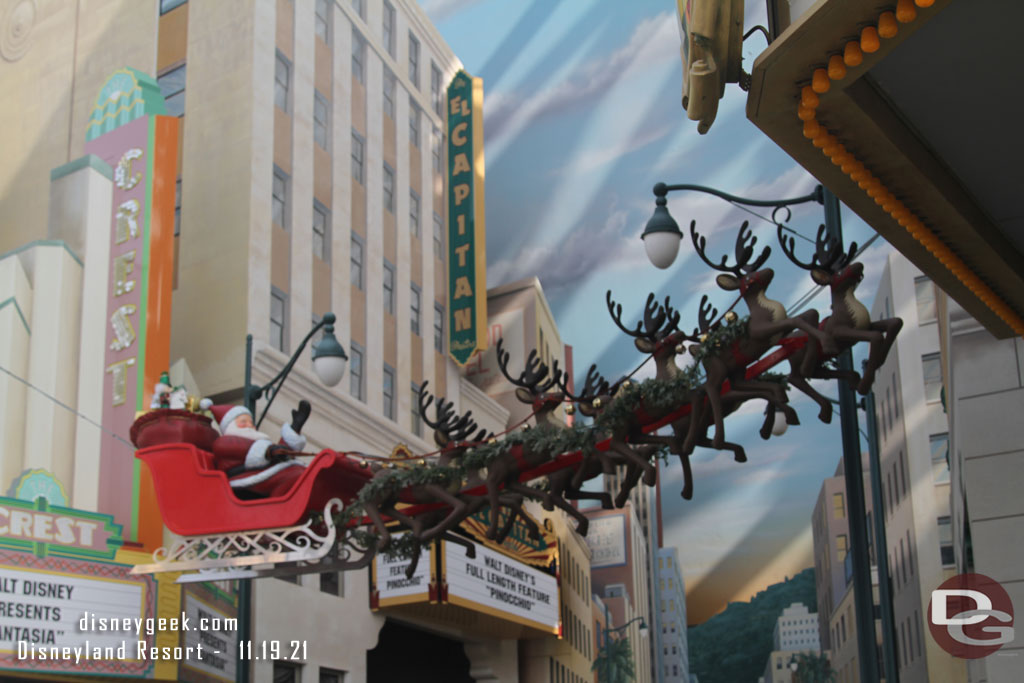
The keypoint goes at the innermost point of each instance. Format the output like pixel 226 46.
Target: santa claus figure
pixel 254 463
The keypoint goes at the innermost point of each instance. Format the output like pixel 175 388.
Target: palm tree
pixel 614 663
pixel 813 667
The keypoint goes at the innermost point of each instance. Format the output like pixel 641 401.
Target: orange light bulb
pixel 887 27
pixel 819 82
pixel 905 11
pixel 805 113
pixel 924 3
pixel 811 129
pixel 836 68
pixel 852 55
pixel 869 39
pixel 808 98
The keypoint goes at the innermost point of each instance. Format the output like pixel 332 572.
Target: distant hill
pixel 733 647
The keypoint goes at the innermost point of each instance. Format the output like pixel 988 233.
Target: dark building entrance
pixel 408 655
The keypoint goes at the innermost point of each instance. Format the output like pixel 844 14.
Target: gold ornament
pixel 492 441
pixel 598 403
pixel 679 348
pixel 192 404
pixel 421 461
pixel 392 465
pixel 730 317
pixel 363 463
pixel 570 409
pixel 703 338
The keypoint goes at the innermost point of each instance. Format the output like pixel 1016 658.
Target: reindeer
pixel 849 323
pixel 533 386
pixel 452 437
pixel 690 430
pixel 768 324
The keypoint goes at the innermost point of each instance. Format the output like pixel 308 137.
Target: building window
pixel 435 89
pixel 435 149
pixel 358 57
pixel 940 458
pixel 414 310
pixel 439 328
pixel 321 119
pixel 389 288
pixel 172 87
pixel 838 509
pixel 285 672
pixel 388 28
pixel 414 61
pixel 841 547
pixel 280 198
pixel 331 582
pixel 389 92
pixel 360 7
pixel 167 5
pixel 946 542
pixel 389 392
pixel 356 384
pixel 924 292
pixel 278 318
pixel 414 122
pixel 903 476
pixel 389 189
pixel 357 157
pixel 331 676
pixel 932 376
pixel 321 223
pixel 282 77
pixel 323 18
pixel 177 207
pixel 417 419
pixel 356 262
pixel 438 238
pixel 414 213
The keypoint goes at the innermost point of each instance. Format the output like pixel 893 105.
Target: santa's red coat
pixel 259 475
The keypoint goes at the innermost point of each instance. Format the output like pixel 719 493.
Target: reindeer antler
pixel 446 424
pixel 745 242
pixel 829 251
pixel 533 375
pixel 615 310
pixel 706 315
pixel 659 320
pixel 788 244
pixel 594 386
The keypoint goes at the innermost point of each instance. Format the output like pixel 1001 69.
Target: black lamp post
pixel 619 629
pixel 329 361
pixel 661 240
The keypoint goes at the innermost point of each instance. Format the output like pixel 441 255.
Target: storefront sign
pixel 498 585
pixel 128 129
pixel 607 541
pixel 42 529
pixel 467 251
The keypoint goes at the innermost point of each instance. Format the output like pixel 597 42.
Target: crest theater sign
pixel 467 252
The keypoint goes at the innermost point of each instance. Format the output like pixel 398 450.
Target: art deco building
pixel 671 650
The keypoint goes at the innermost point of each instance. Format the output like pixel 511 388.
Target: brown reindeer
pixel 768 324
pixel 452 436
pixel 849 323
pixel 533 387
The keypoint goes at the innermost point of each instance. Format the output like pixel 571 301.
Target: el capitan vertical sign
pixel 467 252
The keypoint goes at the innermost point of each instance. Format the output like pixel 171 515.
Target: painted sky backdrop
pixel 582 116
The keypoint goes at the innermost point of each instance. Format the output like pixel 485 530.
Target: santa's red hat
pixel 226 414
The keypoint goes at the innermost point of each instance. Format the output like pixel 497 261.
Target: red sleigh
pixel 196 499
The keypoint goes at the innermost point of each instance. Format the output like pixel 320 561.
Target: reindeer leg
pixel 493 491
pixel 604 497
pixel 378 522
pixel 628 483
pixel 459 540
pixel 890 328
pixel 875 340
pixel 414 562
pixel 801 383
pixel 631 456
pixel 456 516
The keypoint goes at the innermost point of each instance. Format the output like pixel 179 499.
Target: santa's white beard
pixel 246 432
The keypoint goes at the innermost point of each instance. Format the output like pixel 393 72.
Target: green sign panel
pixel 467 252
pixel 43 529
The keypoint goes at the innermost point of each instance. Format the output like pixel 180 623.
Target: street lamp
pixel 661 240
pixel 604 655
pixel 329 361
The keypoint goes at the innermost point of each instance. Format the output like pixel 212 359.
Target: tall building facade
pixel 671 654
pixel 984 382
pixel 913 436
pixel 619 573
pixel 311 178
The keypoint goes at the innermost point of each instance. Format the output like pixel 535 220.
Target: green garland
pixel 721 338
